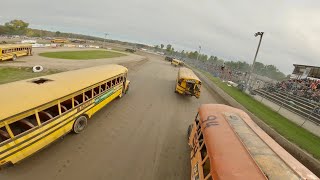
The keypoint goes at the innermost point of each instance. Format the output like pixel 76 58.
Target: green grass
pixel 10 74
pixel 82 55
pixel 291 131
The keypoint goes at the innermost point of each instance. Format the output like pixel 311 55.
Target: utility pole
pixel 255 57
pixel 104 41
pixel 199 53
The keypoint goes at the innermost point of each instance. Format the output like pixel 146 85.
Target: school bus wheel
pixel 80 124
pixel 14 57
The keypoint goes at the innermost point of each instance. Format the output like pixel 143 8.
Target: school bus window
pixel 203 151
pixel 206 169
pixel 78 99
pixel 66 105
pixel 23 125
pixel 88 94
pixel 4 135
pixel 108 84
pixel 96 91
pixel 200 135
pixel 103 87
pixel 49 113
pixel 113 82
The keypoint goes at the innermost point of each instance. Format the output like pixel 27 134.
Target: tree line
pixel 267 70
pixel 20 27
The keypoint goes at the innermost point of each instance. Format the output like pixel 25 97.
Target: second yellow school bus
pixel 188 83
pixel 13 51
pixel 36 112
pixel 176 62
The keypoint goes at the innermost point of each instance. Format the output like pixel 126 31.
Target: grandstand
pixel 300 95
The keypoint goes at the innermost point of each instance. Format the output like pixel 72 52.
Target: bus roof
pixel 186 73
pixel 7 46
pixel 20 96
pixel 229 159
pixel 236 146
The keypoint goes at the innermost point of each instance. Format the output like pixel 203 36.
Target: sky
pixel 222 28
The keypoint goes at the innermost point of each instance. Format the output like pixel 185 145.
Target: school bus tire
pixel 127 89
pixel 80 124
pixel 14 57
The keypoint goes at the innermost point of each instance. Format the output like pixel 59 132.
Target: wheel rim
pixel 81 124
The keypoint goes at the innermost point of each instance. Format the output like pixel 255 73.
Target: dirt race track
pixel 139 137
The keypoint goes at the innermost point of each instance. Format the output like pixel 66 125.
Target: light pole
pixel 199 53
pixel 104 41
pixel 255 57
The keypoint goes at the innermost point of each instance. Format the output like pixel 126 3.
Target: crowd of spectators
pixel 305 88
pixel 217 70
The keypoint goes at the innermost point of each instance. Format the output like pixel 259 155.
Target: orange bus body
pixel 229 159
pixel 226 144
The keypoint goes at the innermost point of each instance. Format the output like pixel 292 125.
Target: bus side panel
pixel 180 88
pixel 195 155
pixel 25 147
pixel 21 53
pixel 7 56
pixel 105 102
pixel 44 142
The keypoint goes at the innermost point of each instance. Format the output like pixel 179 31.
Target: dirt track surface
pixel 66 64
pixel 141 136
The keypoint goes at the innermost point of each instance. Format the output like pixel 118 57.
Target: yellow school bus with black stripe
pixel 36 112
pixel 188 83
pixel 176 62
pixel 13 51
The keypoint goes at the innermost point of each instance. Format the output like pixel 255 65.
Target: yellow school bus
pixel 176 62
pixel 13 51
pixel 36 112
pixel 188 83
pixel 59 41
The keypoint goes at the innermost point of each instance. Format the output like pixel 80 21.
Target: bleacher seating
pixel 295 104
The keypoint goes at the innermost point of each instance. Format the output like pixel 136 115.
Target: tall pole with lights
pixel 104 41
pixel 255 57
pixel 199 53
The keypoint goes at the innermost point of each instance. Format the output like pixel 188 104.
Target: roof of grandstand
pixel 299 69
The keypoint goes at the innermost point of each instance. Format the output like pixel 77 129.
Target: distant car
pixel 130 50
pixel 168 58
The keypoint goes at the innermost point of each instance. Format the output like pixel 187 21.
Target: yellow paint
pixel 33 140
pixel 186 75
pixel 176 62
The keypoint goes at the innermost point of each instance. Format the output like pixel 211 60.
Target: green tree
pixel 259 68
pixel 169 46
pixel 16 27
pixel 3 30
pixel 58 33
pixel 161 46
